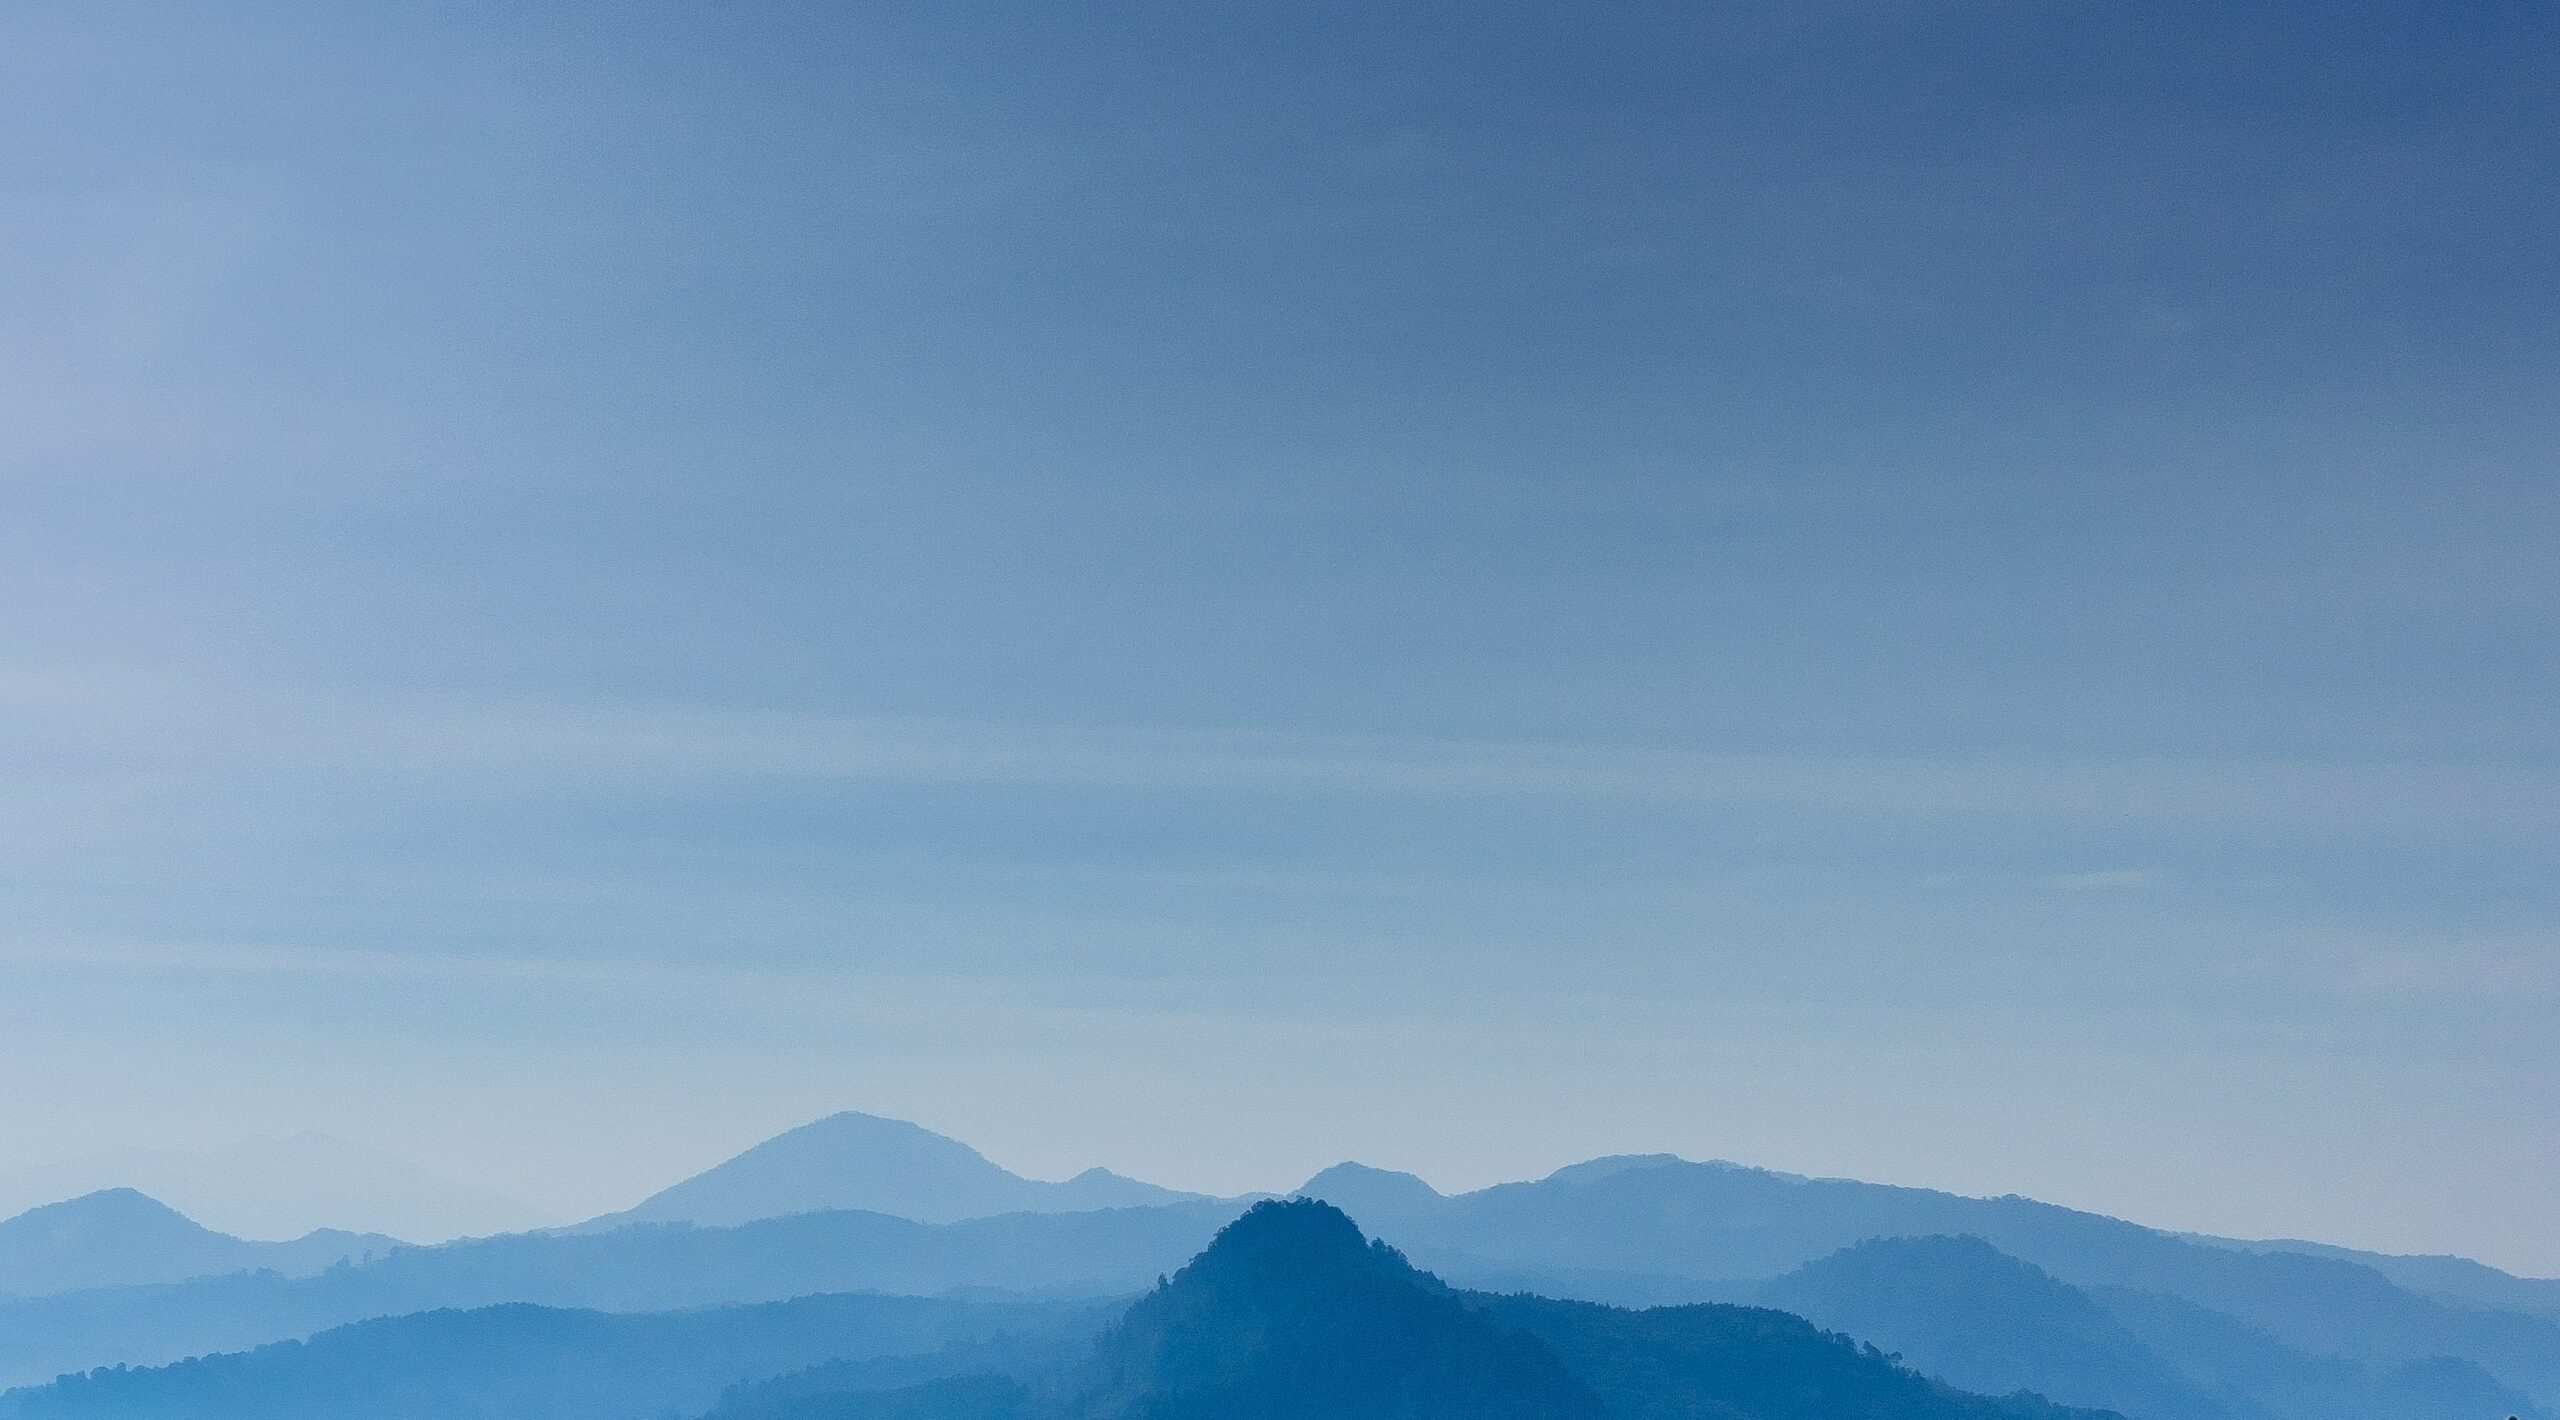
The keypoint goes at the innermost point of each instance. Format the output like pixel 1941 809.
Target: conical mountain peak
pixel 122 1208
pixel 867 1163
pixel 1292 1312
pixel 1298 1236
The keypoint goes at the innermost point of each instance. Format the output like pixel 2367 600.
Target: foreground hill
pixel 1291 1312
pixel 536 1363
pixel 118 1237
pixel 643 1268
pixel 863 1163
pixel 1727 1229
pixel 1292 1315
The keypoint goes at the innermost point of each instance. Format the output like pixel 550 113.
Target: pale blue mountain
pixel 282 1187
pixel 2238 1360
pixel 118 1237
pixel 866 1163
pixel 2458 1280
pixel 1965 1312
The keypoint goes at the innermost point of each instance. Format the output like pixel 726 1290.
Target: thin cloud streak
pixel 523 746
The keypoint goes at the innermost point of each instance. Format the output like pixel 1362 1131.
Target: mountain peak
pixel 866 1163
pixel 279 1188
pixel 1352 1172
pixel 853 1124
pixel 1291 1232
pixel 1386 1198
pixel 1291 1311
pixel 123 1236
pixel 1611 1165
pixel 121 1208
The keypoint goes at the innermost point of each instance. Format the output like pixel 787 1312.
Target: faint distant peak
pixel 1361 1188
pixel 280 1187
pixel 1610 1165
pixel 122 1207
pixel 864 1162
pixel 852 1128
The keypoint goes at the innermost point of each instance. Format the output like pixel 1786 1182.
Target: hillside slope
pixel 519 1362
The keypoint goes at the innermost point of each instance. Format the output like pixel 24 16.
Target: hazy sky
pixel 1957 594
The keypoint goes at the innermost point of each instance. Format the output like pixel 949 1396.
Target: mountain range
pixel 1655 1224
pixel 1967 1313
pixel 1990 1295
pixel 1290 1313
pixel 119 1237
pixel 643 1267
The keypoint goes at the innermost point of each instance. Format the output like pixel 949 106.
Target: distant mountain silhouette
pixel 117 1237
pixel 2458 1280
pixel 273 1188
pixel 2253 1368
pixel 1973 1316
pixel 1722 1225
pixel 522 1362
pixel 1364 1192
pixel 866 1163
pixel 2240 1327
pixel 641 1268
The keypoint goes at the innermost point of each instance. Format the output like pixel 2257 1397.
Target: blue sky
pixel 1960 596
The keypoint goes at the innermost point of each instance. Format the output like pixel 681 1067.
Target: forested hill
pixel 1291 1314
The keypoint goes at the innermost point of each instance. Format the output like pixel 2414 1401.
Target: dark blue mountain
pixel 1291 1314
